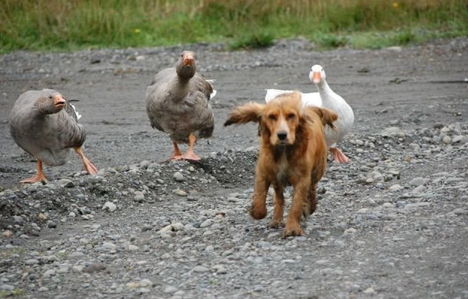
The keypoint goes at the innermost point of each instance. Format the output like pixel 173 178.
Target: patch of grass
pixel 6 253
pixel 69 25
pixel 12 293
pixel 382 39
pixel 328 41
pixel 253 41
pixel 377 40
pixel 403 38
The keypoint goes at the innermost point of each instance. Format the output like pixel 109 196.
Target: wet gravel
pixel 391 224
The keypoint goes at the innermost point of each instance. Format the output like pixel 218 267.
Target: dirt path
pixel 393 223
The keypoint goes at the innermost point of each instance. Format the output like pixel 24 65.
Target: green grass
pixel 327 40
pixel 252 40
pixel 242 24
pixel 13 293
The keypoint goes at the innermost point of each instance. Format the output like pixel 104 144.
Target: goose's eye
pixel 50 97
pixel 272 117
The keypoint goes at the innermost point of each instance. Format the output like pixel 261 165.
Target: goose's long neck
pixel 324 90
pixel 335 102
pixel 180 88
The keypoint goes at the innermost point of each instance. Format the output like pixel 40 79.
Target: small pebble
pixel 178 177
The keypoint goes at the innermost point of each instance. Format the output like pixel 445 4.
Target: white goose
pixel 333 101
pixel 327 98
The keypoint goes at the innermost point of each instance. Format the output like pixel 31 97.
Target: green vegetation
pixel 13 293
pixel 253 40
pixel 75 24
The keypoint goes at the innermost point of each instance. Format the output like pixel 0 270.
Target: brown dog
pixel 293 151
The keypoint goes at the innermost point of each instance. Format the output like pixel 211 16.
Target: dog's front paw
pixel 258 212
pixel 276 223
pixel 295 230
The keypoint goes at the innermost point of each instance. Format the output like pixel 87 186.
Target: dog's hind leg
pixel 259 210
pixel 278 210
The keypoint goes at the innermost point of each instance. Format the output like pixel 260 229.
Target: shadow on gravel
pixel 233 169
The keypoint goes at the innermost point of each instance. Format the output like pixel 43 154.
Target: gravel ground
pixel 391 224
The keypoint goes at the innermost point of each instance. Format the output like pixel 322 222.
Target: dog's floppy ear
pixel 245 113
pixel 326 115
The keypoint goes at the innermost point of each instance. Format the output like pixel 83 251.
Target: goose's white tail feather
pixel 78 115
pixel 212 81
pixel 212 95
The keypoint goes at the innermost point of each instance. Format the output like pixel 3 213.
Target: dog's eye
pixel 291 116
pixel 272 117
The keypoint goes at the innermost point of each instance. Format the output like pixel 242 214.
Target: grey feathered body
pixel 180 107
pixel 47 137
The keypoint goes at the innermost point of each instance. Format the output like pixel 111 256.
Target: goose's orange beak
pixel 316 77
pixel 188 60
pixel 59 101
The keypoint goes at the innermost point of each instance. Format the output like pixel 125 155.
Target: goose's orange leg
pixel 338 155
pixel 88 166
pixel 176 154
pixel 190 155
pixel 39 177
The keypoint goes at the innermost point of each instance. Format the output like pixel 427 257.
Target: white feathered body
pixel 345 121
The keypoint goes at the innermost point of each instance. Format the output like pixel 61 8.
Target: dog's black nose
pixel 282 135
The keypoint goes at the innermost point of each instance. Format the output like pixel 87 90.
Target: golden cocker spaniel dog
pixel 293 151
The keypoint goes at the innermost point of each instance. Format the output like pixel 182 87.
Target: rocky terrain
pixel 391 224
